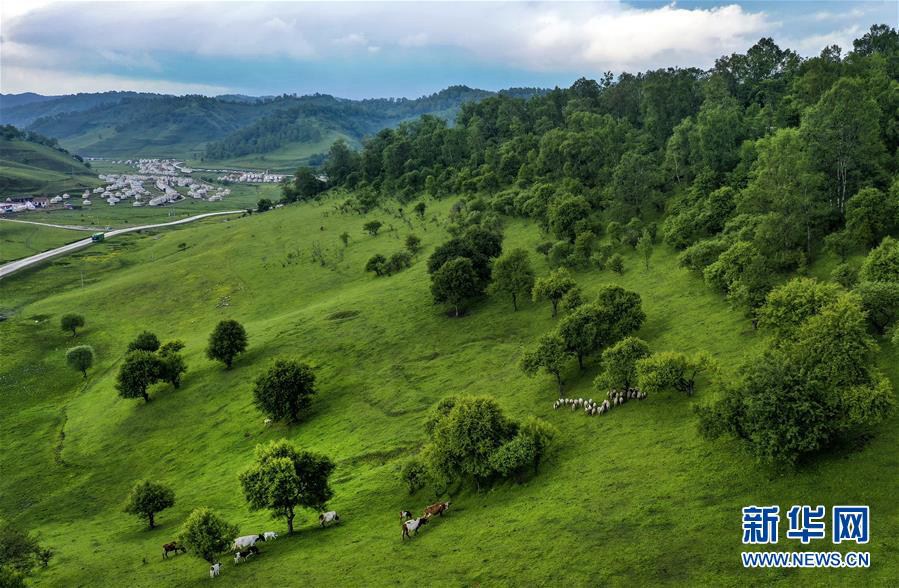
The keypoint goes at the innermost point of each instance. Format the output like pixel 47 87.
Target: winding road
pixel 14 266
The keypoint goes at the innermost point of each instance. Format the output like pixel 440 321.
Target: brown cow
pixel 172 547
pixel 436 509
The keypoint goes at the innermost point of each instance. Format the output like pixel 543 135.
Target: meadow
pixel 18 240
pixel 631 498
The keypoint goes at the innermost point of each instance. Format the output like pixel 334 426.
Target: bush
pixel 398 262
pixel 372 227
pixel 206 534
pixel 377 264
pixel 71 322
pixel 80 358
pixel 146 341
pixel 616 263
pixel 414 474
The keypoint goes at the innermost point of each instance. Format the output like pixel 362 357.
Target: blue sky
pixel 377 49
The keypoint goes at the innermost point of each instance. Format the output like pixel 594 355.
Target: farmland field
pixel 19 240
pixel 633 498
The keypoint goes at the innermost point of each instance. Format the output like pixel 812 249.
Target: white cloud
pixel 50 81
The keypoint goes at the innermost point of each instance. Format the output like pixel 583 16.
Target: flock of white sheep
pixel 592 408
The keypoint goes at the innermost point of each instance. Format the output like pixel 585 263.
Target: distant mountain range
pixel 277 132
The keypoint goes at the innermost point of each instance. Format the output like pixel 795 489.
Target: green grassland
pixel 19 240
pixel 31 168
pixel 633 498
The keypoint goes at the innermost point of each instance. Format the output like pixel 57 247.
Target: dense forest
pixel 753 170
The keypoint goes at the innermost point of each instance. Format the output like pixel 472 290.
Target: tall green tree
pixel 145 341
pixel 513 275
pixel 285 390
pixel 550 354
pixel 147 499
pixel 284 479
pixel 71 322
pixel 227 340
pixel 138 371
pixel 843 136
pixel 619 364
pixel 81 358
pixel 454 283
pixel 553 287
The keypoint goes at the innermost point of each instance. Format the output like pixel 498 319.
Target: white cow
pixel 328 517
pixel 270 535
pixel 215 569
pixel 246 541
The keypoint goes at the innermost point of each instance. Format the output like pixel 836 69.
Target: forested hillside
pixel 23 109
pixel 752 170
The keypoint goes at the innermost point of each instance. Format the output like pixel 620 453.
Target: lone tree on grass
pixel 413 243
pixel 377 263
pixel 139 371
pixel 146 341
pixel 263 205
pixel 80 358
pixel 147 499
pixel 227 340
pixel 644 248
pixel 549 354
pixel 71 322
pixel 620 363
pixel 284 479
pixel 372 227
pixel 420 209
pixel 513 275
pixel 553 287
pixel 285 390
pixel 206 534
pixel 455 282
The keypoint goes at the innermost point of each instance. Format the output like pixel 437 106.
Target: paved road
pixel 70 227
pixel 14 266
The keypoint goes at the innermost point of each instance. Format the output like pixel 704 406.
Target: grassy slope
pixel 19 240
pixel 631 498
pixel 30 168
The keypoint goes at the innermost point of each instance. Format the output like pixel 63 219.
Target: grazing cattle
pixel 436 509
pixel 242 555
pixel 268 422
pixel 215 569
pixel 412 526
pixel 269 535
pixel 405 515
pixel 328 517
pixel 172 547
pixel 246 541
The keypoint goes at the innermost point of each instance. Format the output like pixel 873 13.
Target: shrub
pixel 372 227
pixel 80 358
pixel 146 341
pixel 616 263
pixel 71 322
pixel 206 534
pixel 414 474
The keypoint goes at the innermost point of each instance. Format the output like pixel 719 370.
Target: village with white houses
pixel 156 182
